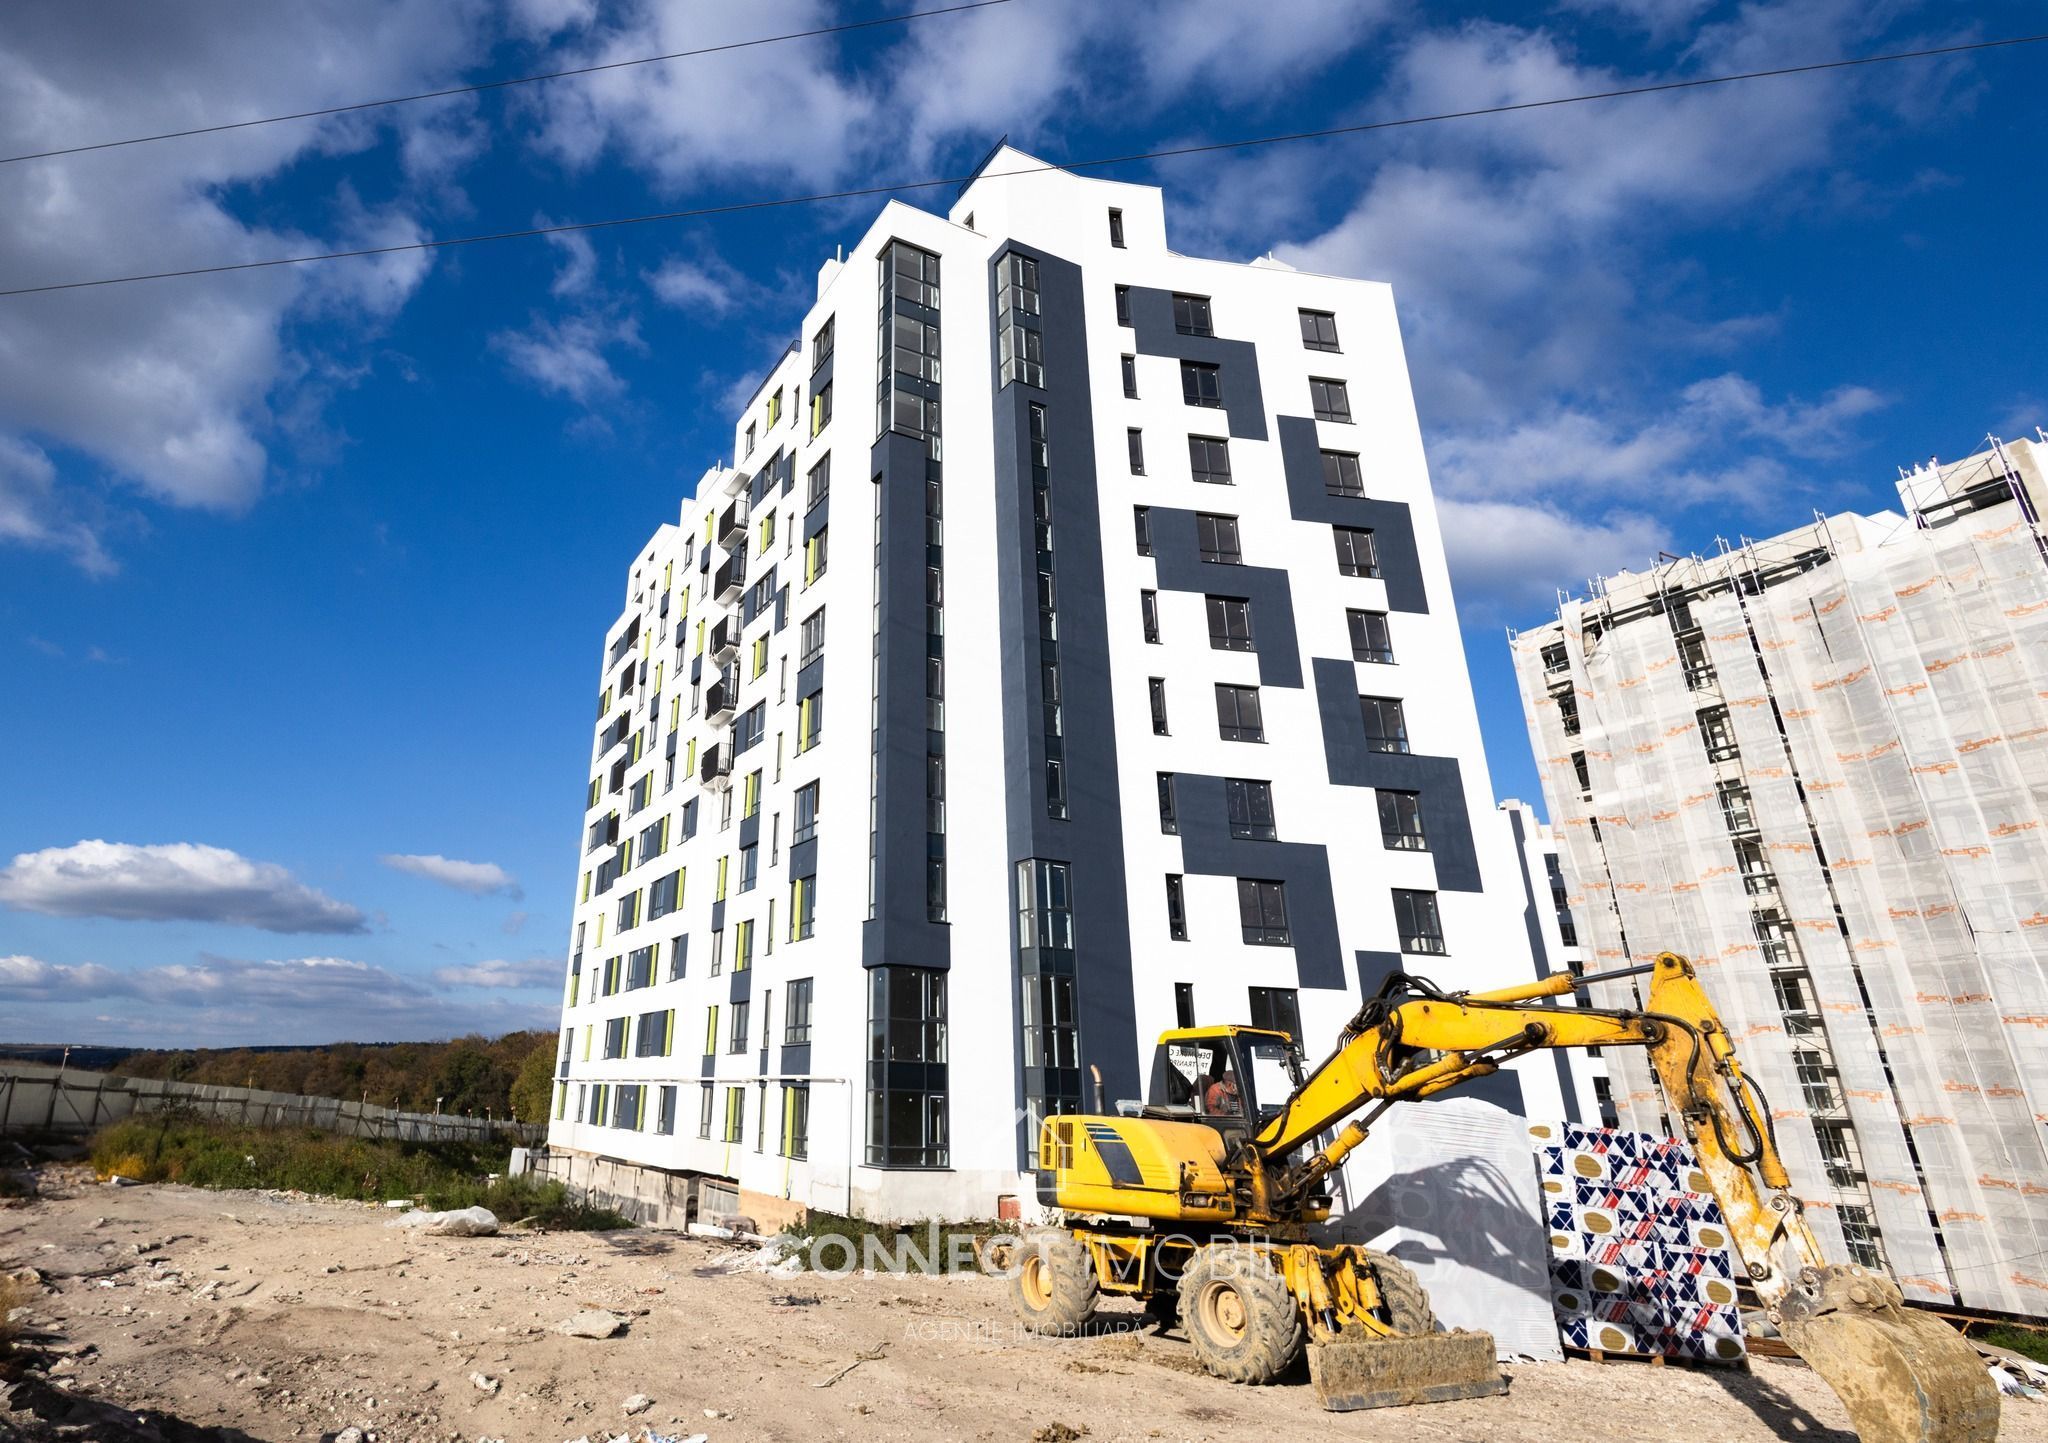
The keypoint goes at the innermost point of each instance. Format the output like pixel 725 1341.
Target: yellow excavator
pixel 1202 1206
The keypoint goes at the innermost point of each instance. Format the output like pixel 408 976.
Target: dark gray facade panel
pixel 750 831
pixel 1532 923
pixel 1392 527
pixel 1090 840
pixel 803 859
pixel 741 988
pixel 1208 850
pixel 1244 403
pixel 1177 552
pixel 796 1059
pixel 816 518
pixel 1439 781
pixel 899 934
pixel 812 677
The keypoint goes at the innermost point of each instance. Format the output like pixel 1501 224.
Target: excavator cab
pixel 1234 1079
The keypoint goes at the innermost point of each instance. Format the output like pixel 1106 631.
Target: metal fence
pixel 34 1098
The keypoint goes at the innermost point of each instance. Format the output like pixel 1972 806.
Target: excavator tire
pixel 1402 1296
pixel 1238 1314
pixel 1054 1287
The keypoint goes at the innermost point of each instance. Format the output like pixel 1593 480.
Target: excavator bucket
pixel 1904 1376
pixel 1350 1373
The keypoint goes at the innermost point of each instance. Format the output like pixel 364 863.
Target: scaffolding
pixel 1819 765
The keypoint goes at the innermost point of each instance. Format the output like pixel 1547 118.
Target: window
pixel 906 1069
pixel 750 440
pixel 1201 384
pixel 653 840
pixel 803 902
pixel 1579 772
pixel 1699 669
pixel 814 556
pixel 1735 809
pixel 678 958
pixel 740 1011
pixel 1045 905
pixel 821 408
pixel 1176 912
pixel 1554 659
pixel 615 1037
pixel 1330 400
pixel 1209 459
pixel 1218 538
pixel 1277 1009
pixel 1116 229
pixel 665 895
pixel 704 1100
pixel 1135 440
pixel 1141 516
pixel 1356 555
pixel 1148 612
pixel 819 482
pixel 1718 734
pixel 821 343
pixel 811 638
pixel 1230 623
pixel 1018 275
pixel 735 1114
pixel 1567 711
pixel 1131 376
pixel 796 1119
pixel 796 1012
pixel 1319 330
pixel 1401 822
pixel 629 910
pixel 1370 639
pixel 774 409
pixel 1021 352
pixel 1251 809
pixel 805 826
pixel 1386 724
pixel 1341 476
pixel 1169 818
pixel 665 1111
pixel 760 668
pixel 750 872
pixel 1123 305
pixel 1237 714
pixel 1415 918
pixel 1191 315
pixel 650 1034
pixel 1262 912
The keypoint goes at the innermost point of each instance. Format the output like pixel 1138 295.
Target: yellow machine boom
pixel 1205 1201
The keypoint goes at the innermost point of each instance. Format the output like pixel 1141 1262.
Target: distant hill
pixel 469 1074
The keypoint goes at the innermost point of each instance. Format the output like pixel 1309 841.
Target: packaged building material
pixel 1639 1256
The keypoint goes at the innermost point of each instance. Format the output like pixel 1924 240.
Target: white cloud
pixel 31 513
pixel 228 1001
pixel 579 262
pixel 181 881
pixel 709 287
pixel 568 355
pixel 534 972
pixel 1509 559
pixel 174 387
pixel 476 878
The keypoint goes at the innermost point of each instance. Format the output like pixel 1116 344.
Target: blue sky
pixel 302 572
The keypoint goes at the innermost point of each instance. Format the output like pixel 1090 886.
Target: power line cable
pixel 783 202
pixel 485 85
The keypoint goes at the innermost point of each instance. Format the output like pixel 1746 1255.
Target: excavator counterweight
pixel 1202 1205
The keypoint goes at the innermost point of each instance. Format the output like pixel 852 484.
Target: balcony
pixel 732 577
pixel 732 528
pixel 612 735
pixel 718 701
pixel 730 482
pixel 716 768
pixel 725 640
pixel 625 642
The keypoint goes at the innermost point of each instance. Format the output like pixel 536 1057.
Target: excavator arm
pixel 1902 1374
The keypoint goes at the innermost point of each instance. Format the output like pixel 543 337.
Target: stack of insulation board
pixel 1639 1255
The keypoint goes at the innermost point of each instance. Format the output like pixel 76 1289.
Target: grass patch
pixel 2028 1342
pixel 833 1242
pixel 202 1152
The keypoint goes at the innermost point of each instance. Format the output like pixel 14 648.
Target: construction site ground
pixel 275 1317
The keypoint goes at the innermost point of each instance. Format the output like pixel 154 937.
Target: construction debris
pixel 476 1222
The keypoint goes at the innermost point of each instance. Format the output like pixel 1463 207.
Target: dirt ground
pixel 275 1318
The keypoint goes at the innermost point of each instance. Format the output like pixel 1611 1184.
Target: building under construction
pixel 1819 765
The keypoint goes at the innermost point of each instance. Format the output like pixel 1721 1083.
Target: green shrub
pixel 182 1147
pixel 2030 1342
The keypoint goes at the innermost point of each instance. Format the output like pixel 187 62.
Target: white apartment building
pixel 1818 764
pixel 1068 655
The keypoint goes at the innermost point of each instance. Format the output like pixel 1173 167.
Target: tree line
pixel 508 1075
